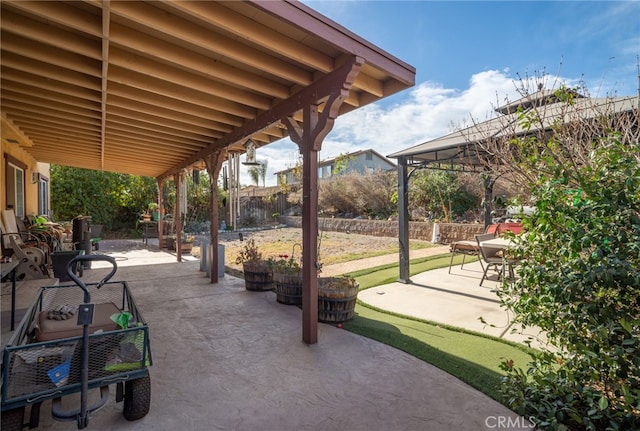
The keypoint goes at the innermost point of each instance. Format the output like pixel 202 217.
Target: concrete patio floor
pixel 455 299
pixel 229 359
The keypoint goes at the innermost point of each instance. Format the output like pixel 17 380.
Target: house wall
pixel 32 167
pixel 363 165
pixel 288 177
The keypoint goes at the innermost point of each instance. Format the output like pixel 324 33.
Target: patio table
pixel 497 244
pixel 150 229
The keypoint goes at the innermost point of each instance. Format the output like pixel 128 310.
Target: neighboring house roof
pixel 150 88
pixel 460 147
pixel 332 160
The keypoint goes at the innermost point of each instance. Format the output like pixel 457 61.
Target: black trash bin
pixel 81 224
pixel 82 236
pixel 60 260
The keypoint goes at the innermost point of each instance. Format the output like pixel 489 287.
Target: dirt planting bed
pixel 334 247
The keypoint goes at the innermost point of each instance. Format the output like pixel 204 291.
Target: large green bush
pixel 111 199
pixel 579 278
pixel 441 195
pixel 117 200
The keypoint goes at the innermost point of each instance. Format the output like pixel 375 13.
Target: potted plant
pixel 287 278
pixel 187 243
pixel 153 210
pixel 336 299
pixel 257 274
pixel 146 215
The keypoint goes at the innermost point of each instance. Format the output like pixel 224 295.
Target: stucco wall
pixel 449 232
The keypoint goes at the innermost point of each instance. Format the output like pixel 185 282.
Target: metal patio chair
pixel 465 248
pixel 494 258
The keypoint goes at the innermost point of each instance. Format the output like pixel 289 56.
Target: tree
pixel 579 278
pixel 198 212
pixel 296 172
pixel 440 195
pixel 259 172
pixel 111 199
pixel 341 163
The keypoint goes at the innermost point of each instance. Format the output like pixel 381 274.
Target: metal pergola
pixel 462 150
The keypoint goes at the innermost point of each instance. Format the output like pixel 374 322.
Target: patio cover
pixel 148 88
pixel 152 88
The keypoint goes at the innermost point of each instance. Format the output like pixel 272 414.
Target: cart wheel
pixel 13 420
pixel 137 398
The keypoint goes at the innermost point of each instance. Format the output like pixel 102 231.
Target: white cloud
pixel 428 111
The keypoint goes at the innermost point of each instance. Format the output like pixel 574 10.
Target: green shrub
pixel 579 281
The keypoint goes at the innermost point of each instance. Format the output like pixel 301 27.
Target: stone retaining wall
pixel 449 232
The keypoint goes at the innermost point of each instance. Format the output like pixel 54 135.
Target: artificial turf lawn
pixel 471 357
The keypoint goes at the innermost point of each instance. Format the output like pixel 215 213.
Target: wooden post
pixel 160 213
pixel 214 164
pixel 310 232
pixel 316 125
pixel 177 179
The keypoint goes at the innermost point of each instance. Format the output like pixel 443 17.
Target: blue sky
pixel 468 58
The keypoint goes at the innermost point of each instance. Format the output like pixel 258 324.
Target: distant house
pixel 359 162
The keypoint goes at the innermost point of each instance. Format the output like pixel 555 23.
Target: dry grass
pixel 334 247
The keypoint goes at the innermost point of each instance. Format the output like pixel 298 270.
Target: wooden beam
pixel 189 80
pixel 311 21
pixel 320 90
pixel 198 63
pixel 40 32
pixel 152 16
pixel 106 19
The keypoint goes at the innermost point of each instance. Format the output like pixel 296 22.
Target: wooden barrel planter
pixel 288 288
pixel 257 276
pixel 336 299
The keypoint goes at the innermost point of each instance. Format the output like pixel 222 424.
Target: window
pixel 324 172
pixel 43 195
pixel 15 185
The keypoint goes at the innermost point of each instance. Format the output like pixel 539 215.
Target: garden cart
pixel 74 339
